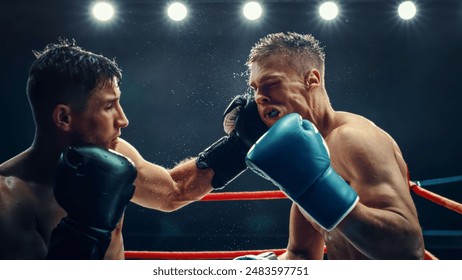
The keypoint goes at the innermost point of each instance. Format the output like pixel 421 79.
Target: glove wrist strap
pixel 227 159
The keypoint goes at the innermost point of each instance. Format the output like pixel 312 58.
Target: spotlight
pixel 177 11
pixel 328 10
pixel 103 11
pixel 252 10
pixel 407 10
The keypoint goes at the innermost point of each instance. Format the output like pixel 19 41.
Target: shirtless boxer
pixel 75 100
pixel 346 176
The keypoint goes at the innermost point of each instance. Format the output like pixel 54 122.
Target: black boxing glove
pixel 227 156
pixel 242 117
pixel 94 186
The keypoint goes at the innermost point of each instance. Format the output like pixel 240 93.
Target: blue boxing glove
pixel 294 156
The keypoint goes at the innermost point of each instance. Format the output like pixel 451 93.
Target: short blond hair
pixel 302 50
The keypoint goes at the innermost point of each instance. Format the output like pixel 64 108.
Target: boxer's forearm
pixel 169 190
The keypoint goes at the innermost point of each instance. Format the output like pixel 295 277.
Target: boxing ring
pixel 417 187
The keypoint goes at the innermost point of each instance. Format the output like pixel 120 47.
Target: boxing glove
pixel 241 116
pixel 294 156
pixel 227 155
pixel 260 257
pixel 93 185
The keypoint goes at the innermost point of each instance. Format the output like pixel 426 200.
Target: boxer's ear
pixel 313 78
pixel 62 117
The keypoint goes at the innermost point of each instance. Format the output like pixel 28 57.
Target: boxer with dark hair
pixel 64 197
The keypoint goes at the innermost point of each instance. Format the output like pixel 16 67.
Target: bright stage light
pixel 252 10
pixel 177 11
pixel 103 11
pixel 328 10
pixel 407 10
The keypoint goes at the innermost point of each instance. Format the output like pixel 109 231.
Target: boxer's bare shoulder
pixel 17 213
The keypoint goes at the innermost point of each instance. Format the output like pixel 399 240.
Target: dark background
pixel 179 77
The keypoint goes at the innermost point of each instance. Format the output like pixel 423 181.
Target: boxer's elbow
pixel 411 253
pixel 413 243
pixel 411 247
pixel 416 249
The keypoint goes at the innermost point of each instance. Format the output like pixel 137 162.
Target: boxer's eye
pixel 272 114
pixel 109 106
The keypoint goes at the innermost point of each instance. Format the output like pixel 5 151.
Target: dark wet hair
pixel 64 73
pixel 302 50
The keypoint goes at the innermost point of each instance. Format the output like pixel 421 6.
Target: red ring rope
pixel 213 255
pixel 203 255
pixel 258 195
pixel 438 199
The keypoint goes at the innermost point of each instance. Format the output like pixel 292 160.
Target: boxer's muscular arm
pixel 384 223
pixel 305 242
pixel 215 167
pixel 166 190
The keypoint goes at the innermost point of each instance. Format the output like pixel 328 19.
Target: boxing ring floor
pixel 436 240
